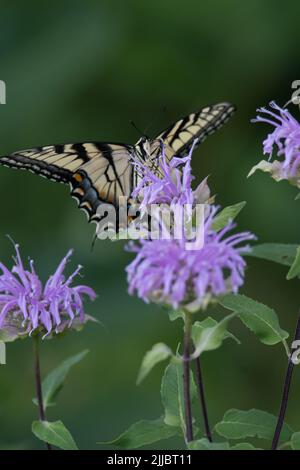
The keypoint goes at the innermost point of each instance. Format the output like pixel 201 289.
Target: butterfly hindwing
pixel 104 179
pixel 179 137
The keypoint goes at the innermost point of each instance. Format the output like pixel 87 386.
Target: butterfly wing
pixel 179 137
pixel 97 172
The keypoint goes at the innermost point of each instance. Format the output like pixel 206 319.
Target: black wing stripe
pixel 81 151
pixel 179 130
pixel 47 170
pixel 107 150
pixel 58 148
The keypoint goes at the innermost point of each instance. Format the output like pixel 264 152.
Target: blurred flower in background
pixel 286 137
pixel 26 306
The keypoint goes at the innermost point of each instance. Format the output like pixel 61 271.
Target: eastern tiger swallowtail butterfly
pixel 101 172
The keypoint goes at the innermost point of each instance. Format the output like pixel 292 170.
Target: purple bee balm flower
pixel 168 182
pixel 26 306
pixel 164 271
pixel 286 137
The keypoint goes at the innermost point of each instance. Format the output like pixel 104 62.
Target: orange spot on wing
pixel 78 177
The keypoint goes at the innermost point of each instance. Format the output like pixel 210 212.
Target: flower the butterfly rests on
pixel 27 307
pixel 165 196
pixel 286 137
pixel 169 182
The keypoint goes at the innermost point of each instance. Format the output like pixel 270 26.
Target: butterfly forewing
pixel 97 172
pixel 179 137
pixel 56 162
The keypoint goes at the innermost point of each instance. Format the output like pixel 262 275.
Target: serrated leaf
pixel 172 395
pixel 259 318
pixel 277 252
pixel 54 433
pixel 295 268
pixel 209 322
pixel 238 424
pixel 226 215
pixel 144 433
pixel 210 334
pixel 295 441
pixel 158 353
pixel 54 381
pixel 204 444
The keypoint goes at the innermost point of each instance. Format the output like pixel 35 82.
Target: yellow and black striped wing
pixel 97 172
pixel 179 137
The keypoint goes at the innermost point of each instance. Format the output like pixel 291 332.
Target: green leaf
pixel 238 424
pixel 54 433
pixel 277 252
pixel 210 322
pixel 259 318
pixel 53 383
pixel 175 314
pixel 204 444
pixel 295 268
pixel 295 441
pixel 226 215
pixel 144 433
pixel 210 337
pixel 158 353
pixel 172 395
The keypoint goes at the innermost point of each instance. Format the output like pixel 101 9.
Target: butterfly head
pixel 143 147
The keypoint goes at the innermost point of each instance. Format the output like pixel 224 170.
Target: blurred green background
pixel 79 71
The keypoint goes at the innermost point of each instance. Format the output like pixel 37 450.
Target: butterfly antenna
pixel 154 118
pixel 287 103
pixel 136 128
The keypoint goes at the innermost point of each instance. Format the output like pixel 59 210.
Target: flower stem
pixel 201 394
pixel 38 383
pixel 186 378
pixel 285 393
